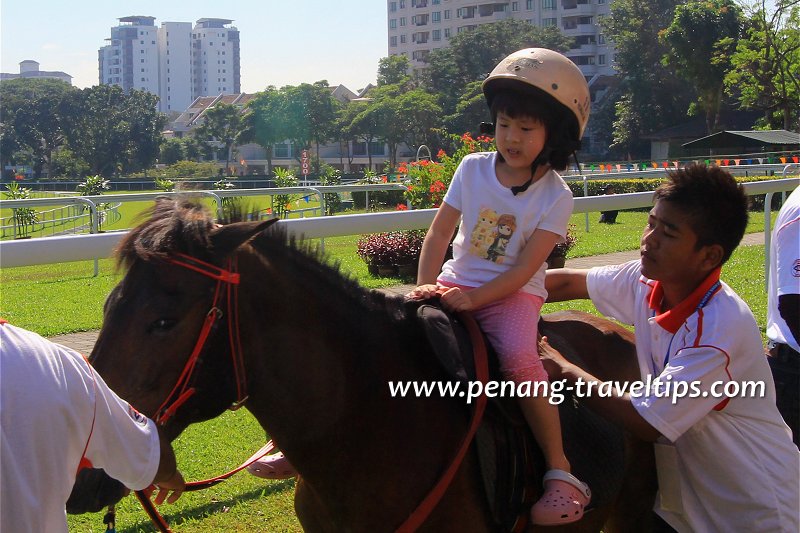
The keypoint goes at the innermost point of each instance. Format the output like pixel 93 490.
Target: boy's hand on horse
pixel 554 363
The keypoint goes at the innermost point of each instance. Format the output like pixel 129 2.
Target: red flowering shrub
pixel 392 248
pixel 427 181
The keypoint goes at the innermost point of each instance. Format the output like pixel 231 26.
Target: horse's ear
pixel 226 239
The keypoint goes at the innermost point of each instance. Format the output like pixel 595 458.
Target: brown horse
pixel 318 352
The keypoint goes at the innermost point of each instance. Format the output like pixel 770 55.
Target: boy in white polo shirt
pixel 725 463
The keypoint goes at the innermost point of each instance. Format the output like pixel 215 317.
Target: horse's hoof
pixel 274 466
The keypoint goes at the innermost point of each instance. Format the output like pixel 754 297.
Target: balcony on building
pixel 420 37
pixel 585 45
pixel 491 8
pixel 419 3
pixel 420 55
pixel 420 20
pixel 466 12
pixel 577 7
pixel 578 24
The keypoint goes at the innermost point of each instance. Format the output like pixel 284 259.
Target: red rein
pixel 228 284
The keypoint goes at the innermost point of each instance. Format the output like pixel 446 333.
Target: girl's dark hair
pixel 715 205
pixel 561 126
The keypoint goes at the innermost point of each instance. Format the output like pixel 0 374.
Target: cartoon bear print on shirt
pixel 483 233
pixel 506 225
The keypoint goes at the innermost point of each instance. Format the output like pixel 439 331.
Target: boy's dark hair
pixel 560 124
pixel 715 204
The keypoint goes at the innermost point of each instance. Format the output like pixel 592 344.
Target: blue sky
pixel 282 42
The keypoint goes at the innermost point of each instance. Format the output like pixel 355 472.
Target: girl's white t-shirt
pixel 496 224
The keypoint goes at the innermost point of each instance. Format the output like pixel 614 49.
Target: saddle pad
pixel 506 450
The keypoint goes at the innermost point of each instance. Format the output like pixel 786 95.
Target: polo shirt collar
pixel 671 320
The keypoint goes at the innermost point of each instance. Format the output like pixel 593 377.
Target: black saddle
pixel 511 462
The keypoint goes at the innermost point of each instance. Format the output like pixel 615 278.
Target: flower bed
pixel 395 253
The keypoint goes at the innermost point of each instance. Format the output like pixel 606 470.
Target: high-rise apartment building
pixel 176 62
pixel 215 58
pixel 418 26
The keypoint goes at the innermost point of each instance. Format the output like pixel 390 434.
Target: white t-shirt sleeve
pixel 788 258
pixel 556 220
pixel 124 442
pixel 613 290
pixel 453 195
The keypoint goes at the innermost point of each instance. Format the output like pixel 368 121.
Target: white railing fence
pixel 48 250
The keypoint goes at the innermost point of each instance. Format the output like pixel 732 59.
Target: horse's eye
pixel 161 325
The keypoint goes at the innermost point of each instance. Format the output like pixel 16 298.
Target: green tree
pixel 359 121
pixel 700 41
pixel 393 70
pixel 420 114
pixel 471 55
pixel 765 73
pixel 470 110
pixel 145 127
pixel 264 121
pixel 222 125
pixel 309 114
pixel 112 131
pixel 650 97
pixel 172 151
pixel 31 120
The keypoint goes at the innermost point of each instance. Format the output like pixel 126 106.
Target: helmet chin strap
pixel 541 159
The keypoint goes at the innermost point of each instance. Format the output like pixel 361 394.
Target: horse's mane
pixel 182 225
pixel 172 225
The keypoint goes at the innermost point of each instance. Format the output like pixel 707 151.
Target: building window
pixel 549 22
pixel 392 7
pixel 402 39
pixel 446 14
pixel 447 33
pixel 393 40
pixel 392 24
pixel 514 6
pixel 548 4
pixel 601 39
pixel 402 21
pixel 437 35
pixel 601 59
pixel 402 4
pixel 436 17
pixel 436 2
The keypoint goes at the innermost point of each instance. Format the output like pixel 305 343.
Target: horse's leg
pixel 310 510
pixel 632 511
pixel 464 506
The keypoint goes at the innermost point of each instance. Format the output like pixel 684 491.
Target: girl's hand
pixel 454 299
pixel 424 292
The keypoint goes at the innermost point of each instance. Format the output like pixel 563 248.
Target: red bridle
pixel 227 284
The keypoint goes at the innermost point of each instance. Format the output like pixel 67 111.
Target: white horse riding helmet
pixel 548 71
